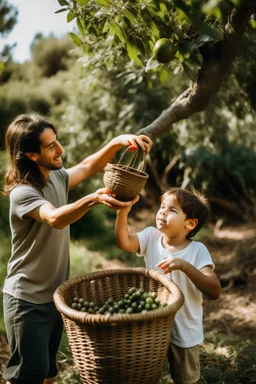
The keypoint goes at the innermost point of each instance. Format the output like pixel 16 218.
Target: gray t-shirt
pixel 39 262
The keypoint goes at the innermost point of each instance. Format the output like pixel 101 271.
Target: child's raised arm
pixel 125 240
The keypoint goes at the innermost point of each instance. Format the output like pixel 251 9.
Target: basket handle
pixel 133 160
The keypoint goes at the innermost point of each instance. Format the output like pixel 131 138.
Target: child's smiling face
pixel 170 219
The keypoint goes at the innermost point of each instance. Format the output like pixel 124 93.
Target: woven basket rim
pixel 125 169
pixel 95 319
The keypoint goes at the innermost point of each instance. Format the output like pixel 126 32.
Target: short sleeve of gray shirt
pixel 40 254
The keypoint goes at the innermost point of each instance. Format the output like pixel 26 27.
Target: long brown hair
pixel 23 135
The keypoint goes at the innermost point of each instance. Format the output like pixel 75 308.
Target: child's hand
pixel 106 197
pixel 172 265
pixel 129 205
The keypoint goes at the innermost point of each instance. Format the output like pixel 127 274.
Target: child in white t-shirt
pixel 170 247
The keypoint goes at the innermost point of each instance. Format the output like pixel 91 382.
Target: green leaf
pixel 129 16
pixel 70 16
pixel 79 23
pixel 104 3
pixel 181 6
pixel 163 8
pixel 164 74
pixel 194 44
pixel 153 12
pixel 152 64
pixel 76 39
pixel 82 2
pixel 132 50
pixel 61 10
pixel 161 15
pixel 206 29
pixel 153 29
pixel 188 46
pixel 253 23
pixel 63 2
pixel 138 62
pixel 106 27
pixel 1 66
pixel 181 15
pixel 116 30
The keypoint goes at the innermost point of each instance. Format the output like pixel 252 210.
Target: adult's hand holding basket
pixel 126 180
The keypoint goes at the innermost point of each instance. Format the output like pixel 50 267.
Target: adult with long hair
pixel 37 185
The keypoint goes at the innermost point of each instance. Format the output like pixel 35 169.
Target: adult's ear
pixel 31 155
pixel 191 224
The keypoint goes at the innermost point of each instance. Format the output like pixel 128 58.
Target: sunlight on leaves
pixel 80 25
pixel 82 2
pixel 132 50
pixel 129 16
pixel 115 29
pixel 104 3
pixel 76 39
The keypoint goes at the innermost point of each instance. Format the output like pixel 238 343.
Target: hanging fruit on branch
pixel 164 50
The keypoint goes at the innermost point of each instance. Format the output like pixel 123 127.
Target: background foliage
pixel 110 84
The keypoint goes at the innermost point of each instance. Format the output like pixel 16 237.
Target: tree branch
pixel 216 65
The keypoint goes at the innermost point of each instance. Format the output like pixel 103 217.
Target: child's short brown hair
pixel 193 203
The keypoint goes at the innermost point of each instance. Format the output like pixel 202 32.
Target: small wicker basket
pixel 122 348
pixel 126 181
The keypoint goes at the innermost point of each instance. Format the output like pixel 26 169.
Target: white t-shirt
pixel 187 328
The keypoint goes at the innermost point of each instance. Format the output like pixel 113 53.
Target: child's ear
pixel 191 224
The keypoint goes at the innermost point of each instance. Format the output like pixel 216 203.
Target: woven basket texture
pixel 123 348
pixel 126 181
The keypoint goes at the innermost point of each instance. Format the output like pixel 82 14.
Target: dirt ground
pixel 233 249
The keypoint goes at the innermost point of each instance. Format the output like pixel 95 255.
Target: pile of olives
pixel 134 301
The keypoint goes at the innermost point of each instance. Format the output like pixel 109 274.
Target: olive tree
pixel 200 40
pixel 206 35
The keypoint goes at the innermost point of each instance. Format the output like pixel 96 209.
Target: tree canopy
pixel 119 85
pixel 8 18
pixel 207 36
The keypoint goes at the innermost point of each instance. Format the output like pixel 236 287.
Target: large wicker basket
pixel 122 348
pixel 126 180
